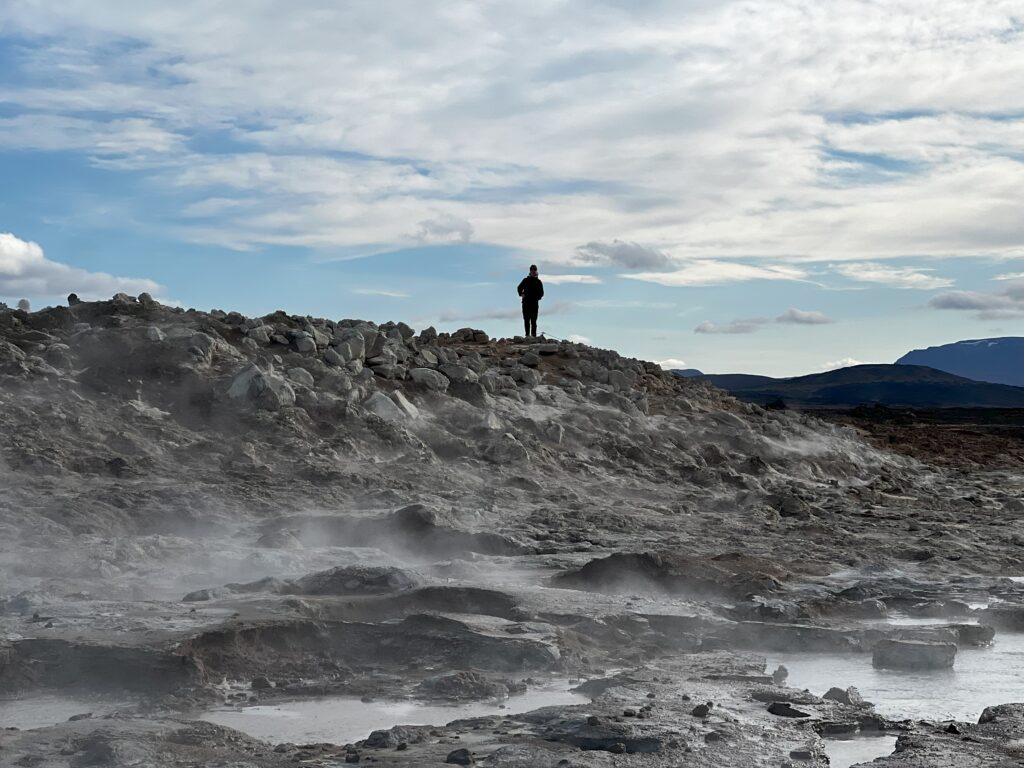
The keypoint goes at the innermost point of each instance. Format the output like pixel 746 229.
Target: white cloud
pixel 734 327
pixel 846 362
pixel 580 279
pixel 672 363
pixel 622 254
pixel 380 292
pixel 894 277
pixel 800 317
pixel 707 272
pixel 698 127
pixel 25 271
pixel 576 338
pixel 1010 276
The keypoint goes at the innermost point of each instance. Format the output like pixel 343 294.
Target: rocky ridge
pixel 344 505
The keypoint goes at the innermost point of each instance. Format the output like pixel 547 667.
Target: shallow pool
pixel 343 719
pixel 981 677
pixel 842 753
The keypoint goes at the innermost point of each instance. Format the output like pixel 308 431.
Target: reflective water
pixel 42 710
pixel 981 677
pixel 842 753
pixel 343 719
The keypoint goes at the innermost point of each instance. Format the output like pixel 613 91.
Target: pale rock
pixel 301 376
pixel 304 343
pixel 459 373
pixel 403 402
pixel 430 379
pixel 332 357
pixel 383 406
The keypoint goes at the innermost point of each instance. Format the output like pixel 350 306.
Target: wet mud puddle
pixel 343 719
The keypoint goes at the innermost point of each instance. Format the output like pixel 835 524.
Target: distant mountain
pixel 687 373
pixel 908 386
pixel 1000 361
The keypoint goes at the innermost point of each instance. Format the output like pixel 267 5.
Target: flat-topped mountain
pixel 999 361
pixel 908 386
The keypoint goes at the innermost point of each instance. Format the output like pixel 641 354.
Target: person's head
pixel 533 270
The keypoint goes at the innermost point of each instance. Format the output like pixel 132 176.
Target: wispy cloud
pixel 734 327
pixel 380 292
pixel 791 316
pixel 446 228
pixel 893 277
pixel 25 271
pixel 578 279
pixel 708 272
pixel 619 253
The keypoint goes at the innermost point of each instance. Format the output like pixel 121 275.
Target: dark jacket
pixel 531 289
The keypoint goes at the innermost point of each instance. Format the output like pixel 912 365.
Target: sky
pixel 763 186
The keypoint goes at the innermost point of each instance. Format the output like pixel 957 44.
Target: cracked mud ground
pixel 203 508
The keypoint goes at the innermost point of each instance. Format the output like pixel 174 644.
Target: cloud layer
pixel 26 272
pixel 663 136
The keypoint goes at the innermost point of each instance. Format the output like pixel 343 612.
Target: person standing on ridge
pixel 532 291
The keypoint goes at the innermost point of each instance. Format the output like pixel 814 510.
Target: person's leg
pixel 526 319
pixel 533 320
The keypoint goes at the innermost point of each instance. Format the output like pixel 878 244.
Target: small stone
pixel 261 683
pixel 460 757
pixel 782 709
pixel 629 712
pixel 617 748
pixel 593 720
pixel 850 696
pixel 701 710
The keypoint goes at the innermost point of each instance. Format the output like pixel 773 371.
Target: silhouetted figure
pixel 532 291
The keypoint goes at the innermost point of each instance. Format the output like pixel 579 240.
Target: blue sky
pixel 762 186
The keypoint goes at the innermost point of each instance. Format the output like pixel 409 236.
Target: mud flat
pixel 265 517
